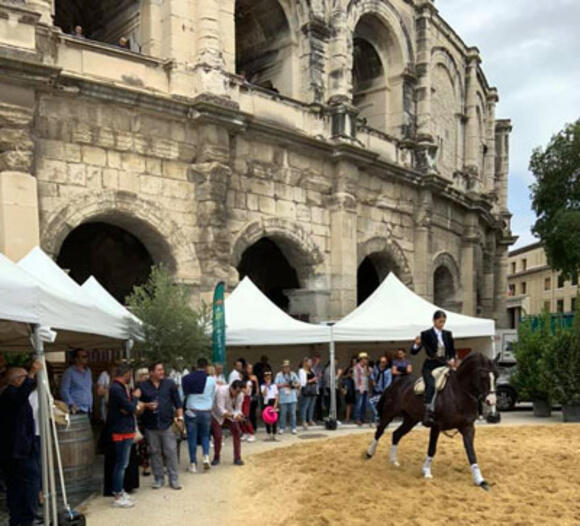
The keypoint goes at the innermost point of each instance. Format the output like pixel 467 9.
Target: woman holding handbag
pixel 308 391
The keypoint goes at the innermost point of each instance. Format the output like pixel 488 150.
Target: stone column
pixel 503 129
pixel 151 28
pixel 212 174
pixel 423 260
pixel 209 59
pixel 19 223
pixel 45 8
pixel 489 175
pixel 468 274
pixel 342 113
pixel 425 12
pixel 501 272
pixel 343 242
pixel 472 139
pixel 313 60
pixel 489 278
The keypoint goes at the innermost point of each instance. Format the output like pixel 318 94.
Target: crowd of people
pixel 146 414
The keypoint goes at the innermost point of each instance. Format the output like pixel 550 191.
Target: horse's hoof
pixel 368 455
pixel 395 463
pixel 427 475
pixel 484 486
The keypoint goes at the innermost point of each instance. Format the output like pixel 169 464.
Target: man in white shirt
pixel 237 372
pixel 227 412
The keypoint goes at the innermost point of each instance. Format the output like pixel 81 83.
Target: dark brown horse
pixel 457 407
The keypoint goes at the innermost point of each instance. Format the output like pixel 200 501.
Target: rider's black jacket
pixel 429 342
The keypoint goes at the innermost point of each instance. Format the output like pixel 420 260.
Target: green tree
pixel 174 332
pixel 534 344
pixel 556 198
pixel 564 363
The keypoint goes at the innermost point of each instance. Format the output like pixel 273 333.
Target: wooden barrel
pixel 77 451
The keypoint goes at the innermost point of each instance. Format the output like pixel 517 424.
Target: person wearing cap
pixel 288 384
pixel 361 385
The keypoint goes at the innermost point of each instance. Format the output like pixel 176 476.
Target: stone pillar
pixel 489 174
pixel 19 223
pixel 501 272
pixel 45 8
pixel 343 242
pixel 310 303
pixel 209 66
pixel 489 278
pixel 503 129
pixel 468 273
pixel 313 60
pixel 425 12
pixel 472 139
pixel 151 28
pixel 212 174
pixel 342 113
pixel 423 260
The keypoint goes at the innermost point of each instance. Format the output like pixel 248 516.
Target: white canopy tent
pixel 252 319
pixel 29 306
pixel 89 317
pixel 395 313
pixel 109 304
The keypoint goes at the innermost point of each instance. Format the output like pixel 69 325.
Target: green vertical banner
pixel 219 324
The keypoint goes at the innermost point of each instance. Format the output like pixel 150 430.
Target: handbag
pixel 309 390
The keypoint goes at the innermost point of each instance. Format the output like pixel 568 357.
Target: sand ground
pixel 325 480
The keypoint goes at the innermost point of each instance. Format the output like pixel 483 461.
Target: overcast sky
pixel 531 53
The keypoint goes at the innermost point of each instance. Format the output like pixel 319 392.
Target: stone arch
pixel 386 250
pixel 392 21
pixel 291 238
pixel 376 34
pixel 446 268
pixel 163 238
pixel 441 56
pixel 265 43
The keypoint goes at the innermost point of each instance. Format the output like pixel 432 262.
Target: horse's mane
pixel 474 359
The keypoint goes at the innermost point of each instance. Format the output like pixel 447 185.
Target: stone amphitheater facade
pixel 358 137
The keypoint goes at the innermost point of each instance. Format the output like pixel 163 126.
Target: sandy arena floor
pixel 533 471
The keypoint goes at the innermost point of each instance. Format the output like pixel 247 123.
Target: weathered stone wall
pixel 97 161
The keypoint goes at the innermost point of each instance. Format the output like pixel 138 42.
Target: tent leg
pixel 48 482
pixel 332 413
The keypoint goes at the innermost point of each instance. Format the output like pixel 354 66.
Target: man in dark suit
pixel 18 447
pixel 440 350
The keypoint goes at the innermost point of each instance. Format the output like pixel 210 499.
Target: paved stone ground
pixel 204 494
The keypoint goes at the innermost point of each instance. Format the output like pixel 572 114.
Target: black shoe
pixel 215 462
pixel 239 462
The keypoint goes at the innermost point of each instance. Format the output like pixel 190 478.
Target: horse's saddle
pixel 439 373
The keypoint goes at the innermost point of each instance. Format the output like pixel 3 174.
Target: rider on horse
pixel 438 344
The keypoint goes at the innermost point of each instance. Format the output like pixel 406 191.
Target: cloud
pixel 530 51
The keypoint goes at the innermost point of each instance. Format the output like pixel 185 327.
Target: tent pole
pixel 332 414
pixel 43 428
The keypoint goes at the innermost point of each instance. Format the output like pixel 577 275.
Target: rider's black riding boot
pixel 428 419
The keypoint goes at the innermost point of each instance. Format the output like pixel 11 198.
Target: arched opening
pixel 115 257
pixel 102 20
pixel 369 71
pixel 367 280
pixel 372 270
pixel 264 45
pixel 446 110
pixel 270 270
pixel 443 288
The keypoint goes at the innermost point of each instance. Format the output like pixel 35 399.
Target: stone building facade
pixel 315 145
pixel 533 286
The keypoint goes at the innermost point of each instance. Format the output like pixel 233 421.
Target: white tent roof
pixel 75 310
pixel 252 319
pixel 395 313
pixel 108 303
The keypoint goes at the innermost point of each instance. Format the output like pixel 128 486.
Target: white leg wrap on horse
pixel 372 449
pixel 393 456
pixel 426 469
pixel 476 473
